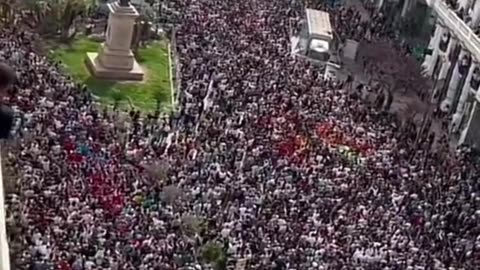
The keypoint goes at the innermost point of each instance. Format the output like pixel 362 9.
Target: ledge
pixel 457 27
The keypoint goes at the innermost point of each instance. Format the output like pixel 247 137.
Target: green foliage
pixel 221 263
pixel 54 17
pixel 70 10
pixel 154 60
pixel 213 253
pixel 159 95
pixel 142 30
pixel 191 225
pixel 117 97
pixel 145 10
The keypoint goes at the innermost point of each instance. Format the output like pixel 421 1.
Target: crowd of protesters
pixel 283 168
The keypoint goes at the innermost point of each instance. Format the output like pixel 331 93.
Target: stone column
pixel 446 62
pixel 115 60
pixel 457 117
pixel 406 8
pixel 431 60
pixel 453 84
pixel 380 4
pixel 471 134
pixel 463 4
pixel 476 14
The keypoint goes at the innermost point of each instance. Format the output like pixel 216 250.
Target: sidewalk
pixel 405 104
pixel 357 5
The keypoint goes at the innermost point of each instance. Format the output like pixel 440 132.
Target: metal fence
pixel 177 79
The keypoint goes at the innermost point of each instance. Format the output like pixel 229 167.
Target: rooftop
pixel 319 24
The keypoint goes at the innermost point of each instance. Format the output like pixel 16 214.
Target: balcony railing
pixel 457 27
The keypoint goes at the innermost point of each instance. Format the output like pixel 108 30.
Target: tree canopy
pixel 401 70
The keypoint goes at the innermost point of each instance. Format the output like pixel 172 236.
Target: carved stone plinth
pixel 115 60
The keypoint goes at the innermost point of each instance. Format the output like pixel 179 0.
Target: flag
pixel 286 148
pixel 334 137
pixel 294 148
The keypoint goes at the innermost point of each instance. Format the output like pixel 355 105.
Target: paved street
pixel 406 104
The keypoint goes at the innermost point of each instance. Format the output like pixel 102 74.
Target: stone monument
pixel 115 60
pixel 350 49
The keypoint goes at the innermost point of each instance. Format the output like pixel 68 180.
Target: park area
pixel 68 29
pixel 155 92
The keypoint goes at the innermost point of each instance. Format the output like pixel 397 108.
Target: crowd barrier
pixel 176 66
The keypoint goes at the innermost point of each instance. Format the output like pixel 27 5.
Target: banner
pixel 352 146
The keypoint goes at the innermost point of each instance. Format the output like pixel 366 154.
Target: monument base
pixel 100 71
pixel 350 49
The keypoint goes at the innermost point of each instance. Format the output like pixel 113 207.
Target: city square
pixel 207 134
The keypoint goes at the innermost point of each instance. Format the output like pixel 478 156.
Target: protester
pixel 284 168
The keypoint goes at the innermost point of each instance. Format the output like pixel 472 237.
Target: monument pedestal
pixel 115 61
pixel 350 49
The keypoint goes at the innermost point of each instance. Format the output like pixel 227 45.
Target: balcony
pixel 457 27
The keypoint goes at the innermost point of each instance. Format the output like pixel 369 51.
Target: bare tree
pixel 405 71
pixel 191 224
pixel 214 254
pixel 158 170
pixel 171 194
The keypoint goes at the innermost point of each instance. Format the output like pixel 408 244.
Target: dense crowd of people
pixel 282 167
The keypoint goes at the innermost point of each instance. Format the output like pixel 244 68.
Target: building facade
pixel 453 64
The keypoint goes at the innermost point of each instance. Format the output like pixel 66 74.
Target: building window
pixel 464 65
pixel 475 81
pixel 444 42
